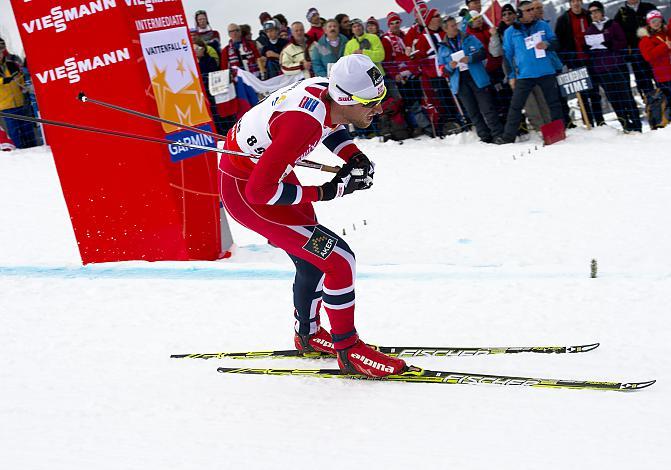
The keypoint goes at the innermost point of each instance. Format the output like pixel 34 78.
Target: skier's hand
pixel 359 160
pixel 349 178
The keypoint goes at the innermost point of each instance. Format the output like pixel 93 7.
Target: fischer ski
pixel 418 375
pixel 398 351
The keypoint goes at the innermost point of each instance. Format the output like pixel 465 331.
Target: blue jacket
pixel 474 50
pixel 322 55
pixel 523 62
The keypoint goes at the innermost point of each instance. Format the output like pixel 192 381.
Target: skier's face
pixel 361 116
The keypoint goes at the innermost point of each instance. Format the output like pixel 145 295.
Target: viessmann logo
pixel 149 4
pixel 58 17
pixel 72 68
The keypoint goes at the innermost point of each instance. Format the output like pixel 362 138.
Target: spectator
pixel 570 30
pixel 206 63
pixel 631 16
pixel 316 30
pixel 263 37
pixel 417 29
pixel 285 31
pixel 12 100
pixel 344 25
pixel 477 27
pixel 246 31
pixel 240 52
pixel 539 10
pixel 469 79
pixel 365 43
pixel 605 40
pixel 205 31
pixel 272 47
pixel 474 5
pixel 503 92
pixel 529 67
pixel 404 73
pixel 373 27
pixel 294 58
pixel 330 47
pixel 434 86
pixel 656 49
pixel 210 50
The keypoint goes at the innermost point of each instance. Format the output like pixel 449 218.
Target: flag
pixel 493 13
pixel 407 5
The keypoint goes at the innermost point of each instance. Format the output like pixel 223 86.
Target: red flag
pixel 407 5
pixel 493 13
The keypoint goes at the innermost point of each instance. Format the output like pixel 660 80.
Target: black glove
pixel 346 181
pixel 359 160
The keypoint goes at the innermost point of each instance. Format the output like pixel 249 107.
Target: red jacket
pixel 230 56
pixel 395 58
pixel 427 50
pixel 484 36
pixel 654 50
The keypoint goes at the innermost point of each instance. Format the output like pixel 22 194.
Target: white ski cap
pixel 356 75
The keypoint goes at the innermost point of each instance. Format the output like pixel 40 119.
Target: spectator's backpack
pixel 657 109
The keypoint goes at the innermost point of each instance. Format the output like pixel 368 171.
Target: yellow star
pixel 180 66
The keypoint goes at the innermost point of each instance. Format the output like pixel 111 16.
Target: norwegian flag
pixel 493 13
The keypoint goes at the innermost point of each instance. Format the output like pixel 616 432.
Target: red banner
pixel 407 5
pixel 127 200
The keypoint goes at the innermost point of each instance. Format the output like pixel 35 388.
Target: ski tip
pixel 590 347
pixel 632 386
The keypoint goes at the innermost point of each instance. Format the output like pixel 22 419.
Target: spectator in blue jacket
pixel 469 80
pixel 328 49
pixel 525 46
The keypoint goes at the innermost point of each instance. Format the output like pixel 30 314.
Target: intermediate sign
pixel 174 77
pixel 574 81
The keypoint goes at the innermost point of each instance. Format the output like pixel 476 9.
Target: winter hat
pixel 392 16
pixel 311 12
pixel 270 24
pixel 355 21
pixel 372 20
pixel 422 7
pixel 265 16
pixel 652 15
pixel 597 5
pixel 429 14
pixel 473 15
pixel 357 75
pixel 508 7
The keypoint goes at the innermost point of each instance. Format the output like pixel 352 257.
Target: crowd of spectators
pixel 444 74
pixel 448 74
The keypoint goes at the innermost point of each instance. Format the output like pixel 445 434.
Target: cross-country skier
pixel 266 197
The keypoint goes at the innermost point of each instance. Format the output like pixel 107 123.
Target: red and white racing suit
pixel 266 197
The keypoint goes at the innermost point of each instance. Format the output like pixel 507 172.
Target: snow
pixel 464 244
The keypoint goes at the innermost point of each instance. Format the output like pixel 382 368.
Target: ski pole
pixel 85 99
pixel 157 140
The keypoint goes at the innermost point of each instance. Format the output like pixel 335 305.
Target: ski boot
pixel 365 360
pixel 321 342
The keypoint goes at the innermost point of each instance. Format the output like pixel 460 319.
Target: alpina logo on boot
pixel 372 363
pixel 323 342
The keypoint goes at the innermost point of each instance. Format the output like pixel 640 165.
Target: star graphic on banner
pixel 180 66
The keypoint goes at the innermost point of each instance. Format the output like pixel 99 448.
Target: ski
pixel 398 351
pixel 418 375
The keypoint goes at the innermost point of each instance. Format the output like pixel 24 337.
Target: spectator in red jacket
pixel 655 47
pixel 435 86
pixel 316 30
pixel 402 73
pixel 417 28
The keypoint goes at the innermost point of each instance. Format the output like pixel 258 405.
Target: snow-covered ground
pixel 463 244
